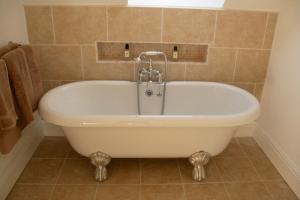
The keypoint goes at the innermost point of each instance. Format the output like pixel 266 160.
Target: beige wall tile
pixel 258 90
pixel 175 71
pixel 252 65
pixel 59 62
pixel 39 24
pixel 271 26
pixel 246 86
pixel 48 85
pixel 187 25
pixel 79 24
pixel 242 29
pixel 221 64
pixel 134 24
pixel 197 72
pixel 105 71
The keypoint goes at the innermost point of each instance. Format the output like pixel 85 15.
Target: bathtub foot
pixel 100 160
pixel 199 160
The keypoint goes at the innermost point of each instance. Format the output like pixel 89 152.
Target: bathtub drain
pixel 149 93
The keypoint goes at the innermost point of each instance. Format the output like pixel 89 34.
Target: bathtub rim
pixel 63 119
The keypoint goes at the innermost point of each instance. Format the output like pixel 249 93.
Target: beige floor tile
pixel 265 168
pixel 233 150
pixel 279 190
pixel 41 171
pixel 160 171
pixel 77 171
pixel 118 192
pixel 123 171
pixel 205 191
pixel 74 192
pixel 162 192
pixel 30 192
pixel 53 147
pixel 247 191
pixel 250 147
pixel 212 173
pixel 74 154
pixel 236 169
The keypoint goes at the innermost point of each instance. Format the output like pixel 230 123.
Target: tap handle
pixel 159 77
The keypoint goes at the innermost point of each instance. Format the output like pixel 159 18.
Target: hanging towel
pixel 10 46
pixel 8 117
pixel 35 75
pixel 21 83
pixel 9 131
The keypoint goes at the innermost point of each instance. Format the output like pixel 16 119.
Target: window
pixel 178 3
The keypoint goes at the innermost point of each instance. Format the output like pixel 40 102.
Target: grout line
pixel 255 88
pixel 81 63
pixel 53 28
pixel 96 191
pixel 58 176
pixel 140 173
pixel 106 16
pixel 181 180
pixel 260 179
pixel 150 184
pixel 161 24
pixel 215 29
pixel 235 64
pixel 265 33
pixel 224 185
pixel 184 74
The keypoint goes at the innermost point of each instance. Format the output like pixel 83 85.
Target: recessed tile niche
pixel 114 51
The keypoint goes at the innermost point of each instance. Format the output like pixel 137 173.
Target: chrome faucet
pixel 150 74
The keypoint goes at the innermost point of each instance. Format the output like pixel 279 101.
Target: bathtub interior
pixel 120 98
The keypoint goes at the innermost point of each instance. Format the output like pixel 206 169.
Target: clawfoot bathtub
pixel 100 119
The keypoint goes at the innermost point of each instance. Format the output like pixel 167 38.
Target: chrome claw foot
pixel 199 160
pixel 100 160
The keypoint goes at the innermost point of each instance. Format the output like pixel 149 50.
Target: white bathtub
pixel 102 116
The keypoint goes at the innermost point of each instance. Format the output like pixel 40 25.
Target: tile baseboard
pixel 12 164
pixel 286 167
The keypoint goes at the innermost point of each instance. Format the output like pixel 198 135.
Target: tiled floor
pixel 241 172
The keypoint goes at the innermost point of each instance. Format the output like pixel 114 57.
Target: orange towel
pixel 10 46
pixel 8 117
pixel 9 131
pixel 20 90
pixel 19 75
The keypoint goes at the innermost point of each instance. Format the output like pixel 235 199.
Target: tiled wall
pixel 64 38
